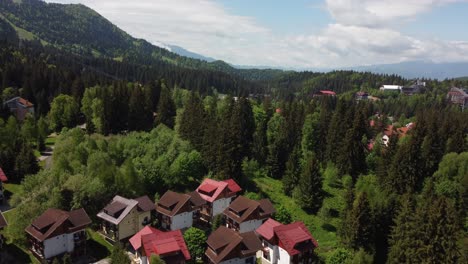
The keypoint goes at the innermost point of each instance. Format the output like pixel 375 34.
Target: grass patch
pixel 98 247
pixel 50 141
pixel 323 230
pixel 11 188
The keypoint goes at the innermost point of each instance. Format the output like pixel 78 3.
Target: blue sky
pixel 301 34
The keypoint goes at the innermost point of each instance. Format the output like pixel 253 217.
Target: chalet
pixel 170 246
pixel 218 195
pixel 285 244
pixel 57 232
pixel 361 96
pixel 227 246
pixel 20 107
pixel 178 211
pixel 245 215
pixel 458 96
pixel 3 224
pixel 3 179
pixel 391 88
pixel 416 88
pixel 124 217
pixel 324 93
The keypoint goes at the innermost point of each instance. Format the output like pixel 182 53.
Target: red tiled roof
pixel 135 240
pixel 211 186
pixel 25 102
pixel 3 177
pixel 208 188
pixel 266 229
pixel 327 92
pixel 233 186
pixel 165 243
pixel 290 235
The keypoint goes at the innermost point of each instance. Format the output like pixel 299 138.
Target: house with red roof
pixel 245 215
pixel 20 107
pixel 178 211
pixel 324 93
pixel 57 232
pixel 123 217
pixel 228 246
pixel 170 246
pixel 218 195
pixel 285 244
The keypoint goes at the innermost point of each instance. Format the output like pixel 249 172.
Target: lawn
pixel 323 230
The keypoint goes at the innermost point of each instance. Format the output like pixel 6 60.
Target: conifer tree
pixel 26 162
pixel 293 171
pixel 139 114
pixel 277 149
pixel 361 224
pixel 192 123
pixel 352 159
pixel 166 108
pixel 403 236
pixel 309 191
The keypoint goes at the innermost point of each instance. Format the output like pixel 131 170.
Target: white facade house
pixel 245 215
pixel 218 195
pixel 56 232
pixel 177 211
pixel 391 88
pixel 286 244
pixel 226 246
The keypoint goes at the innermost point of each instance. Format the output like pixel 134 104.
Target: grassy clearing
pixel 50 141
pixel 324 230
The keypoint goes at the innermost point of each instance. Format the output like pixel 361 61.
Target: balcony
pixel 110 232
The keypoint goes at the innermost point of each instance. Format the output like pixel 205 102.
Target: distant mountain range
pixel 409 69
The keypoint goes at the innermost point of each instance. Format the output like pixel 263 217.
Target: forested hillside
pixel 378 180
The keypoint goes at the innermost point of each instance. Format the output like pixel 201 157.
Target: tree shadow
pixel 96 250
pixel 329 227
pixel 13 254
pixel 334 213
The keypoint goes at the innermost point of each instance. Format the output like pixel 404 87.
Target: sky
pixel 299 34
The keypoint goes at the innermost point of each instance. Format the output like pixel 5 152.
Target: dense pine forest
pixel 155 121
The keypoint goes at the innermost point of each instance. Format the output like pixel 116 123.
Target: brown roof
pixel 54 222
pixel 225 244
pixel 171 203
pixel 3 221
pixel 145 204
pixel 243 208
pixel 196 199
pixel 266 207
pixel 114 207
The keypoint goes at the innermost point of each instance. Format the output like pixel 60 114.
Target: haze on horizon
pixel 299 34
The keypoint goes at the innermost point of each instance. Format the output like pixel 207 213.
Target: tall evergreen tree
pixel 309 191
pixel 361 224
pixel 26 162
pixel 166 108
pixel 293 171
pixel 403 236
pixel 192 122
pixel 277 146
pixel 352 159
pixel 139 114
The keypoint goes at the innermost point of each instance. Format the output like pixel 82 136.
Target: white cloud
pixel 364 32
